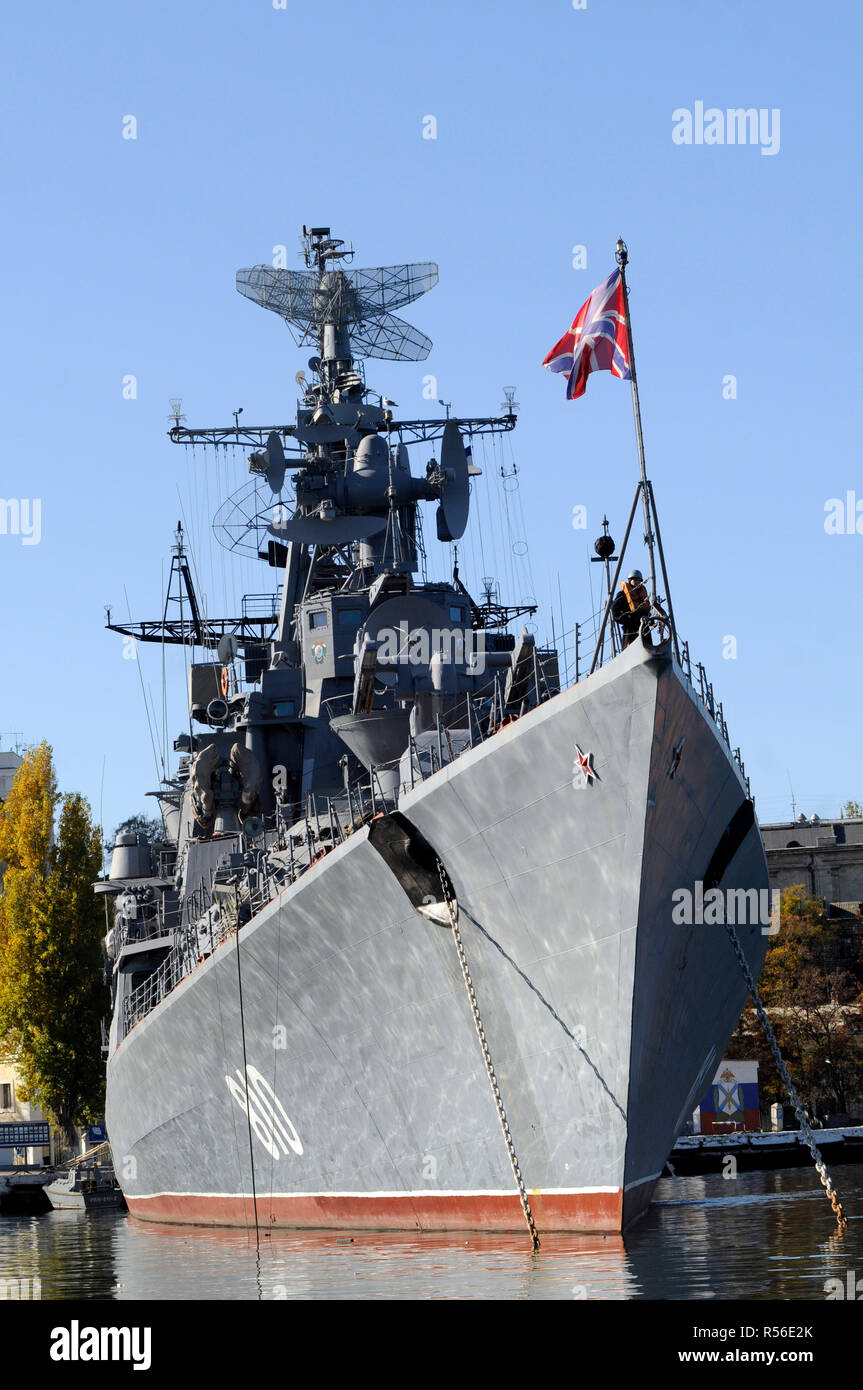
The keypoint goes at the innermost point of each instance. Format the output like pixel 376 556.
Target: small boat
pixel 86 1182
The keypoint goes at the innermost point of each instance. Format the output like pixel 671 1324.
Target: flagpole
pixel 622 256
pixel 648 500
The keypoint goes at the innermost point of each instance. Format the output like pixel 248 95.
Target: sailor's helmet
pixel 635 576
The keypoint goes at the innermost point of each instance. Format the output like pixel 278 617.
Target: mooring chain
pixel 452 908
pixel 805 1127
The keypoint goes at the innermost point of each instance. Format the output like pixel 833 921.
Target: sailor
pixel 630 606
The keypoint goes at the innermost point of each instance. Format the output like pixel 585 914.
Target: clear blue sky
pixel 554 129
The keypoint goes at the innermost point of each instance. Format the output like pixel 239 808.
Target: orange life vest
pixel 635 593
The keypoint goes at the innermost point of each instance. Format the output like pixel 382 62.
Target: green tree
pixel 852 810
pixel 52 989
pixel 148 826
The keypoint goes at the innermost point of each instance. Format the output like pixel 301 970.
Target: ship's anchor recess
pixel 413 862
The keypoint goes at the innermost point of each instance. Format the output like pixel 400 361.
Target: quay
pixel 705 1153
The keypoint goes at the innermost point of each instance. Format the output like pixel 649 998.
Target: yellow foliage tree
pixel 806 944
pixel 52 990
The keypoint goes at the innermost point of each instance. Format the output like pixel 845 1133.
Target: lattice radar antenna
pixel 240 524
pixel 355 301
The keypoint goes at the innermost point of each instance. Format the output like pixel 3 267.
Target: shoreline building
pixel 9 765
pixel 21 1123
pixel 826 856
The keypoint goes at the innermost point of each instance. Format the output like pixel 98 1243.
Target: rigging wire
pixel 275 1049
pixel 246 1083
pixel 506 527
pixel 521 519
pixel 221 494
pixel 226 1064
pixel 143 691
pixel 479 525
pixel 500 561
pixel 164 692
pixel 493 568
pixel 102 819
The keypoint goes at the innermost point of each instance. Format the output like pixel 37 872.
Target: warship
pixel 406 956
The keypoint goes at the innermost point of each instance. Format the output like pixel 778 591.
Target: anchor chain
pixel 452 908
pixel 805 1127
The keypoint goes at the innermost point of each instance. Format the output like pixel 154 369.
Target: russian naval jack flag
pixel 597 340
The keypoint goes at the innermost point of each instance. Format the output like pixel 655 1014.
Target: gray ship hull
pixel 350 1091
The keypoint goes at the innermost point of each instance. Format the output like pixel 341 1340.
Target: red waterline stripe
pixel 469 1211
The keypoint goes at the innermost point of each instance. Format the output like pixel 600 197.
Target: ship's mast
pixel 319 249
pixel 355 514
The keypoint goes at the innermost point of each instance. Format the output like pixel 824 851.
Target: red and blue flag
pixel 597 340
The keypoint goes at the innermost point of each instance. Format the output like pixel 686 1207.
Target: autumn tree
pixel 809 946
pixel 52 989
pixel 812 987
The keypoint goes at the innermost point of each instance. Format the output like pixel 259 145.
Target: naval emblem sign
pixel 730 1100
pixel 728 1096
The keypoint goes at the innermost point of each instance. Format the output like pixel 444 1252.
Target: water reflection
pixel 760 1236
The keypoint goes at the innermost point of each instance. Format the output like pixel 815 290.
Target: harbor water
pixel 759 1236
